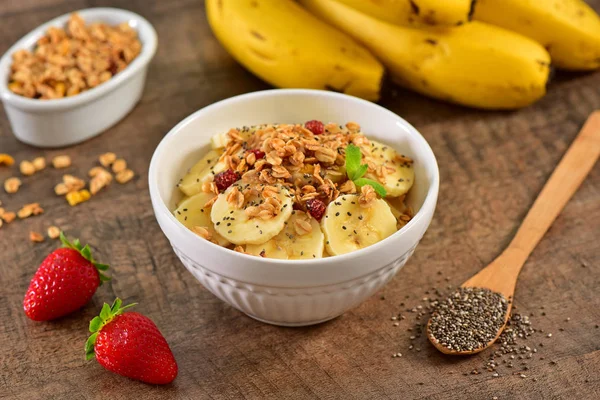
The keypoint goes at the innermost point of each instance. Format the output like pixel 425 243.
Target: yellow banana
pixel 416 12
pixel 474 64
pixel 569 29
pixel 288 47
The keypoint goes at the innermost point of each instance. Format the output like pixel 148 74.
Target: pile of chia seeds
pixel 508 356
pixel 468 319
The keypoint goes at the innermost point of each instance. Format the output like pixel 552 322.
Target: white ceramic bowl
pixel 70 120
pixel 282 292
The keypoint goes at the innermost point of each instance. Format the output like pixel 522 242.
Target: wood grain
pixel 492 167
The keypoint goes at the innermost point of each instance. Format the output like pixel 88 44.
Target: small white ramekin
pixel 70 120
pixel 282 292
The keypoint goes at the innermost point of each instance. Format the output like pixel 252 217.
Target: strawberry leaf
pixel 86 252
pixel 89 346
pixel 101 267
pixel 95 324
pixel 116 305
pixel 107 314
pixel 375 185
pixel 64 240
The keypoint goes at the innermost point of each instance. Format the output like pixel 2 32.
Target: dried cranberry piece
pixel 225 179
pixel 316 208
pixel 258 153
pixel 315 127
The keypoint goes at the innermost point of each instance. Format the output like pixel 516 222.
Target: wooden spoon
pixel 501 275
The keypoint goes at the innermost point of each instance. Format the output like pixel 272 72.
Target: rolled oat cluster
pixel 66 62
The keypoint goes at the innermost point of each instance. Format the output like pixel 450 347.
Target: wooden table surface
pixel 492 165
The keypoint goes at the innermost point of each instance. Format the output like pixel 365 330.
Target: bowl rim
pixel 160 205
pixel 149 45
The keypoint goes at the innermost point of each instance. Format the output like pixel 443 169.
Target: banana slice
pixel 301 238
pixel 220 141
pixel 201 172
pixel 349 227
pixel 192 213
pixel 398 174
pixel 398 208
pixel 262 214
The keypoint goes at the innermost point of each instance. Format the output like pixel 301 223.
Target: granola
pixel 68 61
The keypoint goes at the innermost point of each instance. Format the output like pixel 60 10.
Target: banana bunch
pixel 491 54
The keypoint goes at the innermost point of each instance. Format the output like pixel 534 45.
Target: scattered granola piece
pixel 35 237
pixel 39 163
pixel 101 178
pixel 11 185
pixel 9 216
pixel 61 189
pixel 73 183
pixel 107 159
pixel 53 232
pixel 119 165
pixel 61 162
pixel 97 170
pixel 6 159
pixel 30 209
pixel 75 198
pixel 24 213
pixel 26 168
pixel 124 176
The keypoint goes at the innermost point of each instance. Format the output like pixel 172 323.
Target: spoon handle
pixel 575 165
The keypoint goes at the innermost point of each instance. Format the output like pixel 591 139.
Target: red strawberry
pixel 65 281
pixel 130 345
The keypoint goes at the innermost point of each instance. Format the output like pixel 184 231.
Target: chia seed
pixel 468 319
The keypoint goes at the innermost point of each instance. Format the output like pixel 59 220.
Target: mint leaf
pixel 375 185
pixel 359 172
pixel 353 158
